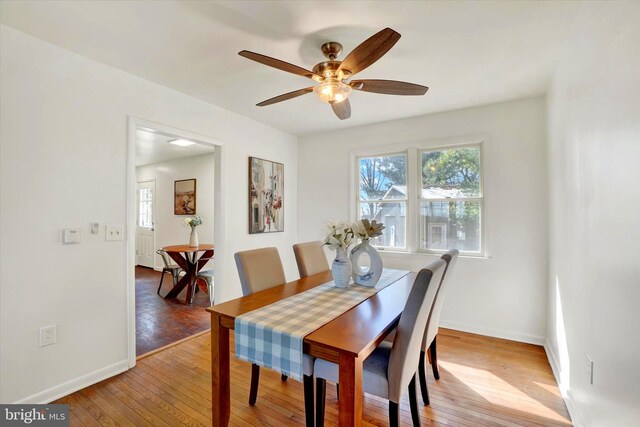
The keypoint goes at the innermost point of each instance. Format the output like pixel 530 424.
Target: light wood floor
pixel 484 381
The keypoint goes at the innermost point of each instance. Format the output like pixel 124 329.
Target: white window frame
pixel 478 199
pixel 405 200
pixel 414 185
pixel 151 206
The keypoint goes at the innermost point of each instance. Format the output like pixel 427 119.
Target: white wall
pixel 504 295
pixel 169 229
pixel 63 157
pixel 594 156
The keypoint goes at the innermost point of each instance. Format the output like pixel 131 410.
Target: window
pixel 450 199
pixel 382 190
pixel 145 206
pixel 439 207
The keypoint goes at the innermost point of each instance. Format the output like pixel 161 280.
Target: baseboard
pixel 553 360
pixel 173 344
pixel 507 335
pixel 576 418
pixel 64 389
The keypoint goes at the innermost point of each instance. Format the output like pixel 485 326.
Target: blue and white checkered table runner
pixel 272 336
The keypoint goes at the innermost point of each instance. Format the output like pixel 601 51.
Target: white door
pixel 144 227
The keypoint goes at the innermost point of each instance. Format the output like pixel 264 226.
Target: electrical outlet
pixel 590 369
pixel 47 335
pixel 114 232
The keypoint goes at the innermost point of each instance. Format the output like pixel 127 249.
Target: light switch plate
pixel 70 236
pixel 114 232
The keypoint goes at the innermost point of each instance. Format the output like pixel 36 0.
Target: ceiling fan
pixel 333 75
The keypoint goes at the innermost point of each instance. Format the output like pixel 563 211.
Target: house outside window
pixel 429 199
pixel 379 199
pixel 451 199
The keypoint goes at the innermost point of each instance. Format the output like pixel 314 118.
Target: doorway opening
pixel 175 179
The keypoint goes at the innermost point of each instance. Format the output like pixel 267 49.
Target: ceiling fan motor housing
pixel 331 50
pixel 327 69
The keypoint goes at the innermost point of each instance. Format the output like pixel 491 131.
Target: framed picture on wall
pixel 184 197
pixel 266 196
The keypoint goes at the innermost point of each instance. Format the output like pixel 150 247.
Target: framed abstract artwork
pixel 266 196
pixel 184 197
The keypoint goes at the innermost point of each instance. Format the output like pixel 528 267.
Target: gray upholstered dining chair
pixel 261 269
pixel 169 267
pixel 310 258
pixel 431 332
pixel 391 368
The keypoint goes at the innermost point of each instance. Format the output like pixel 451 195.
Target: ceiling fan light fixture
pixel 332 91
pixel 333 75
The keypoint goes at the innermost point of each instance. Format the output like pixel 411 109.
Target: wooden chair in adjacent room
pixel 391 368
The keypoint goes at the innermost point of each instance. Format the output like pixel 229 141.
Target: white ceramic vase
pixel 193 238
pixel 363 275
pixel 341 268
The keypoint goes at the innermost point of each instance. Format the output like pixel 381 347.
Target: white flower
pixel 339 235
pixel 365 229
pixel 360 230
pixel 193 221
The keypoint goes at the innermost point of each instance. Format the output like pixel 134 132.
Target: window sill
pixel 428 254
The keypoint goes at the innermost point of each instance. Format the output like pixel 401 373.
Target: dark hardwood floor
pixel 160 322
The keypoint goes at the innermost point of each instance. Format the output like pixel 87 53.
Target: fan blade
pixel 388 87
pixel 285 96
pixel 370 51
pixel 342 109
pixel 280 65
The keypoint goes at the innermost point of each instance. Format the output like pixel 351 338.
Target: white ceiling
pixel 468 53
pixel 153 147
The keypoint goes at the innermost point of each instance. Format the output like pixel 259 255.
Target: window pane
pixel 383 177
pixel 450 225
pixel 393 217
pixel 451 173
pixel 144 208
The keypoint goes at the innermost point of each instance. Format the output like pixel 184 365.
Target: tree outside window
pixel 382 196
pixel 451 197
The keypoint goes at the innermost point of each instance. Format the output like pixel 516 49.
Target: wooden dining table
pixel 347 340
pixel 188 258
